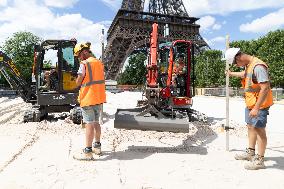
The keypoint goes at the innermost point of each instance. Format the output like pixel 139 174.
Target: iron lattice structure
pixel 132 25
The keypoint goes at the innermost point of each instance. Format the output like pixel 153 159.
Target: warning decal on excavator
pixel 12 65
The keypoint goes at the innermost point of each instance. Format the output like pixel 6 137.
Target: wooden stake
pixel 227 99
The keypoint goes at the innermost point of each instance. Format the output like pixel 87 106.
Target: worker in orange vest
pixel 178 68
pixel 258 99
pixel 91 97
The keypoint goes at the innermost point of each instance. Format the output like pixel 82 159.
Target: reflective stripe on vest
pixel 252 90
pixel 91 82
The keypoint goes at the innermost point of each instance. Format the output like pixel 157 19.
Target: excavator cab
pixel 177 59
pixel 53 87
pixel 56 66
pixel 180 74
pixel 54 72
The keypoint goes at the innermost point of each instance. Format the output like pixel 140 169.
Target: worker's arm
pixel 264 89
pixel 81 74
pixel 236 74
pixel 79 80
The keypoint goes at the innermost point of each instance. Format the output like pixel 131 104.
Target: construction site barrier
pixel 278 93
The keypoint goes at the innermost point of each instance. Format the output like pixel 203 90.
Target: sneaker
pixel 247 155
pixel 83 155
pixel 256 163
pixel 97 148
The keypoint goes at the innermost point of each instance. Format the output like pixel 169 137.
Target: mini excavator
pixel 53 87
pixel 168 92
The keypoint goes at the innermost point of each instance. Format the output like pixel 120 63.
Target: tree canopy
pixel 20 48
pixel 135 71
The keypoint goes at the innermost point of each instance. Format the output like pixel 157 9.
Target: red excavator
pixel 169 90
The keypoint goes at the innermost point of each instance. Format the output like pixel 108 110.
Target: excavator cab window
pixel 163 66
pixel 49 73
pixel 68 59
pixel 181 69
pixel 70 66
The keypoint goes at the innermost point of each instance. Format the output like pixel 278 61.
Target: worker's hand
pixel 253 112
pixel 84 62
pixel 228 72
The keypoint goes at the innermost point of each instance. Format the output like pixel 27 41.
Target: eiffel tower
pixel 132 25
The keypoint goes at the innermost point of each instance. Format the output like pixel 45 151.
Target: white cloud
pixel 218 39
pixel 214 41
pixel 205 7
pixel 29 15
pixel 216 27
pixel 3 3
pixel 60 3
pixel 266 23
pixel 206 22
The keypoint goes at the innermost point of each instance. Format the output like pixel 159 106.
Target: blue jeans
pixel 91 113
pixel 260 120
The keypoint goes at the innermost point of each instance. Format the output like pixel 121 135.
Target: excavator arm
pixel 13 76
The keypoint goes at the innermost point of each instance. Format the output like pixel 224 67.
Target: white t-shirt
pixel 82 70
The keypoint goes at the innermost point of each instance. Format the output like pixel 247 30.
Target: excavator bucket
pixel 131 119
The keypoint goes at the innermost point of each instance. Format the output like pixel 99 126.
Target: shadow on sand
pixel 192 144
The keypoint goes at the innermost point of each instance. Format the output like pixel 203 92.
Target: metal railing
pixel 278 93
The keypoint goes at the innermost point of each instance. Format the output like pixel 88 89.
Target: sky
pixel 85 19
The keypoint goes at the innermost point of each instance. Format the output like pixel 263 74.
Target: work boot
pixel 45 87
pixel 247 155
pixel 84 155
pixel 256 163
pixel 97 148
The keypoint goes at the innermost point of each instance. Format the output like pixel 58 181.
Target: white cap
pixel 230 55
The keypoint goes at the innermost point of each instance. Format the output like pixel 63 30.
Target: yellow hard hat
pixel 78 47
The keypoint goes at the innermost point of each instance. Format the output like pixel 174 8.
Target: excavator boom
pixel 13 76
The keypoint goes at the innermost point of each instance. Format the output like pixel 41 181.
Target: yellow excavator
pixel 53 88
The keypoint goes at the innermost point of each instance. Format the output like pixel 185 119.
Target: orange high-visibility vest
pixel 92 91
pixel 252 89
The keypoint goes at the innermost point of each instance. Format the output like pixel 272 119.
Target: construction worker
pixel 258 99
pixel 179 66
pixel 178 79
pixel 91 96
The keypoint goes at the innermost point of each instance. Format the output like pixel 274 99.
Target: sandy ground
pixel 39 155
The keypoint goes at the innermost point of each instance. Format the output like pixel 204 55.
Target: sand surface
pixel 39 155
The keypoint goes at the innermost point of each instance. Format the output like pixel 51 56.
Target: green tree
pixel 135 71
pixel 210 69
pixel 20 48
